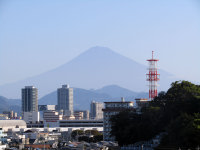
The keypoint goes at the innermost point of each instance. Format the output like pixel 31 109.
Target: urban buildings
pixel 31 116
pixel 29 99
pixel 113 108
pixel 98 124
pixel 82 114
pixel 51 117
pixel 10 114
pixel 65 99
pixel 78 115
pixel 96 110
pixel 142 102
pixel 9 124
pixel 46 107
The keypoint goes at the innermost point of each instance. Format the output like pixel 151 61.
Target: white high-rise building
pixel 96 110
pixel 65 99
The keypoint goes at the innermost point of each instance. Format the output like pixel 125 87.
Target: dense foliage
pixel 175 112
pixel 87 136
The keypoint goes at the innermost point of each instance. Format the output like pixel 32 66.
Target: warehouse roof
pixel 9 123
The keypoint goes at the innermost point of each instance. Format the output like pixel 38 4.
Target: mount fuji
pixel 97 67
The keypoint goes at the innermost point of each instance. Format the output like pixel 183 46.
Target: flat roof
pixel 120 102
pixel 139 99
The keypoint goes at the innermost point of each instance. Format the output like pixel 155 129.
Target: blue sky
pixel 39 35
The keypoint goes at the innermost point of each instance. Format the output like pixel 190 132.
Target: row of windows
pixel 81 126
pixel 80 122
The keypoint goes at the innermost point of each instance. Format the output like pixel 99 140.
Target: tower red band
pixel 153 77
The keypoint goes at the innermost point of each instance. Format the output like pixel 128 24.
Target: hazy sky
pixel 39 35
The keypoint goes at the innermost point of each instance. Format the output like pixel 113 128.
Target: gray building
pixel 96 110
pixel 113 108
pixel 29 99
pixel 65 99
pixel 46 107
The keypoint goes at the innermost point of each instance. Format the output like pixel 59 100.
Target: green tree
pixel 175 112
pixel 76 133
pixel 92 132
pixel 184 131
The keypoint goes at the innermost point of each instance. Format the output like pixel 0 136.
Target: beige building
pixel 11 124
pixel 96 110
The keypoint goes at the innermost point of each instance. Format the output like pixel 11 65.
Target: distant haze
pixel 95 68
pixel 82 98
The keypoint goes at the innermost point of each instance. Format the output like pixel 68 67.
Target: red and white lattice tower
pixel 153 77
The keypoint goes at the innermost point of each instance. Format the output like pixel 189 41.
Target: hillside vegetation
pixel 175 113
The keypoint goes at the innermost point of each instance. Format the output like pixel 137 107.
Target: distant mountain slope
pixel 9 104
pixel 83 98
pixel 116 91
pixel 97 67
pixel 3 104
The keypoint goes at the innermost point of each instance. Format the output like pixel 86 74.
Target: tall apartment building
pixel 113 108
pixel 29 99
pixel 96 110
pixel 65 99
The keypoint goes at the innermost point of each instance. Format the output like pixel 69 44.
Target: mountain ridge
pixel 82 98
pixel 94 68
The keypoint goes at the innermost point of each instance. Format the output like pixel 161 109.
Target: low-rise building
pixel 7 124
pixel 33 116
pixel 46 107
pixel 51 118
pixel 81 123
pixel 3 116
pixel 86 114
pixel 78 115
pixel 142 102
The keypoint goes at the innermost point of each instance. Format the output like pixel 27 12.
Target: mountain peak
pixel 98 51
pixel 94 68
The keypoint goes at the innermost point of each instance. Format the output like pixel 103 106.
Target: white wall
pixel 31 116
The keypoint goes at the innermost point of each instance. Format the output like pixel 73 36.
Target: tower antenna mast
pixel 153 77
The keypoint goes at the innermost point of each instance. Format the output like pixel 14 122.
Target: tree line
pixel 175 113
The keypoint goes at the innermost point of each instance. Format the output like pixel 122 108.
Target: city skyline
pixel 30 41
pixel 112 54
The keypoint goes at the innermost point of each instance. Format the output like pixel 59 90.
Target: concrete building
pixel 65 99
pixel 4 116
pixel 81 123
pixel 12 124
pixel 46 107
pixel 96 110
pixel 10 114
pixel 78 115
pixel 29 99
pixel 31 117
pixel 51 118
pixel 85 114
pixel 142 102
pixel 113 108
pixel 43 108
